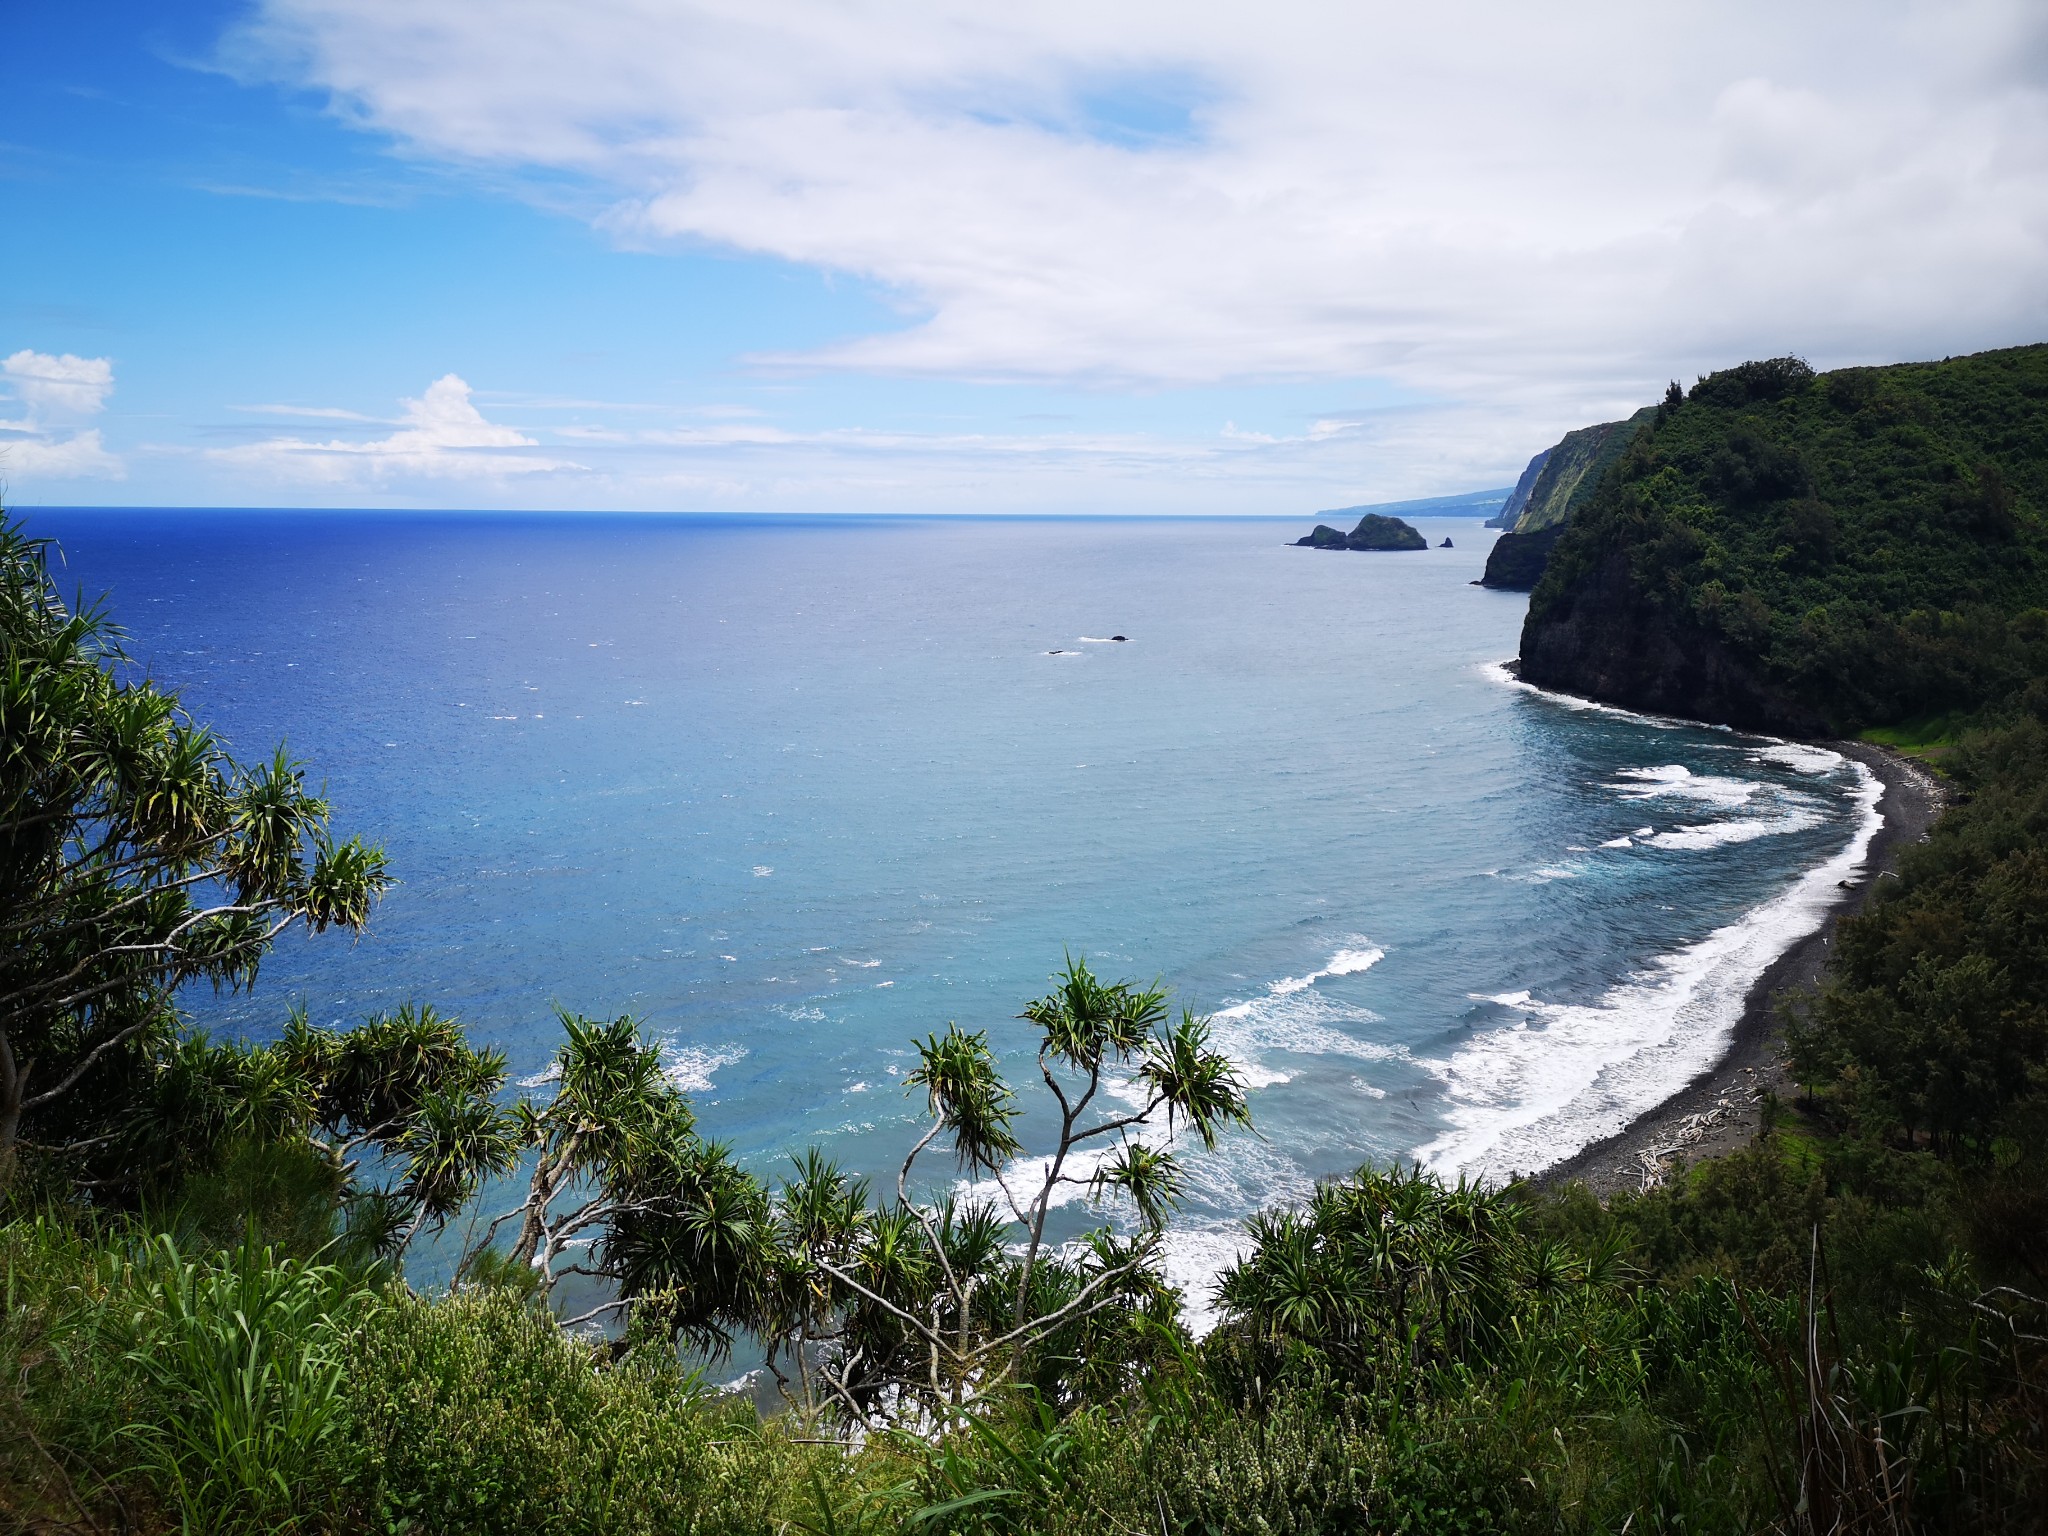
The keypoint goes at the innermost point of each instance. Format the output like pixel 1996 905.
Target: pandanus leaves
pixel 1200 1088
pixel 450 1144
pixel 967 1096
pixel 1084 1020
pixel 1149 1176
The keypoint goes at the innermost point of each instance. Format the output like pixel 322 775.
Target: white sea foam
pixel 1619 842
pixel 1677 782
pixel 1291 1016
pixel 1497 671
pixel 1799 757
pixel 1523 1097
pixel 1718 834
pixel 1194 1257
pixel 1535 876
pixel 1243 1174
pixel 689 1067
pixel 1346 962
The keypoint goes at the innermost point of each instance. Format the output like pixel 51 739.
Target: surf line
pixel 1522 1100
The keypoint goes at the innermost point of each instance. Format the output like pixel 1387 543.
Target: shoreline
pixel 1720 1109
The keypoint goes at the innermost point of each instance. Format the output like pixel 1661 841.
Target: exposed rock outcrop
pixel 1516 561
pixel 1373 532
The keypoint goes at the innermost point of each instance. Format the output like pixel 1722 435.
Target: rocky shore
pixel 1721 1110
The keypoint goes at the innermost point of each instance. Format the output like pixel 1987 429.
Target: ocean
pixel 796 791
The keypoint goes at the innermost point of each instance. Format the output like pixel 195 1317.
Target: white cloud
pixel 444 437
pixel 56 392
pixel 61 385
pixel 1535 208
pixel 317 412
pixel 82 455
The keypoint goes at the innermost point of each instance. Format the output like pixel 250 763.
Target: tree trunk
pixel 13 1091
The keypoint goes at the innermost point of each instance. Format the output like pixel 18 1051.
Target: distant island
pixel 1373 532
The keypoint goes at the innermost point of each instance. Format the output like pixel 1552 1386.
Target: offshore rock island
pixel 1373 532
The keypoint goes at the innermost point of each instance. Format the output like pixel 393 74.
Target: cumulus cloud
pixel 62 385
pixel 1491 201
pixel 55 393
pixel 444 436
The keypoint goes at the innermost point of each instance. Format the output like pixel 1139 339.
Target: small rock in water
pixel 1445 545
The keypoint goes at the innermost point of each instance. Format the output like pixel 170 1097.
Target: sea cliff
pixel 1804 553
pixel 1556 482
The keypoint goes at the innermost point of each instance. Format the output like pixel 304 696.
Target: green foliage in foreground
pixel 1401 1356
pixel 136 857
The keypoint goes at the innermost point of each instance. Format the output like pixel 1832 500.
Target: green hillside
pixel 1572 470
pixel 1806 552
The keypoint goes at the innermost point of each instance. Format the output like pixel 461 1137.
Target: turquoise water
pixel 795 791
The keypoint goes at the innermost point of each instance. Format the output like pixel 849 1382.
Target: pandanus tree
pixel 136 856
pixel 929 1302
pixel 401 1109
pixel 1390 1269
pixel 900 1309
pixel 618 1175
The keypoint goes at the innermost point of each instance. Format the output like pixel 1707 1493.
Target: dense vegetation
pixel 1812 553
pixel 208 1326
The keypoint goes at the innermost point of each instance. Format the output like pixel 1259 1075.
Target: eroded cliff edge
pixel 1557 482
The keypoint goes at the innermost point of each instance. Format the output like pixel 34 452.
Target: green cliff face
pixel 1557 482
pixel 1796 552
pixel 1518 498
pixel 1572 469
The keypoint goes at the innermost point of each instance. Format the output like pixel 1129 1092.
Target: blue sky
pixel 798 257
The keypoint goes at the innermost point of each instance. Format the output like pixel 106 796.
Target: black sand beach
pixel 1720 1110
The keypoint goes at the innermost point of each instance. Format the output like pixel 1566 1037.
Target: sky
pixel 1121 256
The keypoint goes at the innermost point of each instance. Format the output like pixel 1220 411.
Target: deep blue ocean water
pixel 796 791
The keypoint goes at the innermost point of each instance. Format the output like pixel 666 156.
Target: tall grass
pixel 240 1358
